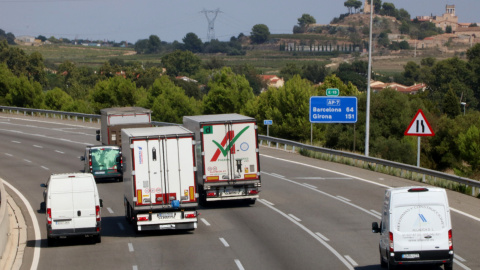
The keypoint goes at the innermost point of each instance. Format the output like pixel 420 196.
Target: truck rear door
pixel 230 152
pixel 164 170
pixel 60 202
pixel 83 196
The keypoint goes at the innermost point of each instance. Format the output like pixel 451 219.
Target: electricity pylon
pixel 211 22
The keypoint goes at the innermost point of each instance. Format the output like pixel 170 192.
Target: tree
pixel 193 43
pixel 305 21
pixel 411 73
pixel 314 72
pixel 260 33
pixel 114 92
pixel 57 99
pixel 469 146
pixel 181 63
pixel 289 71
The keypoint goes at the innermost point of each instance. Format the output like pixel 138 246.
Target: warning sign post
pixel 419 127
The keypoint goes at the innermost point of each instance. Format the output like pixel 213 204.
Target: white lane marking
pixel 308 185
pixel 461 264
pixel 334 197
pixel 343 198
pixel 37 146
pixel 110 210
pixel 324 243
pixel 58 151
pixel 381 179
pixel 277 175
pixel 239 264
pixel 135 267
pixel 360 179
pixel 224 242
pixel 375 212
pixel 16 142
pixel 48 137
pixel 45 168
pixel 294 217
pixel 27 160
pixel 121 226
pixel 205 221
pixel 459 258
pixel 36 228
pixel 10 155
pixel 354 263
pixel 265 201
pixel 322 236
pixel 130 247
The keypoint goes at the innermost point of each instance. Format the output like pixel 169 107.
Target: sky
pixel 127 20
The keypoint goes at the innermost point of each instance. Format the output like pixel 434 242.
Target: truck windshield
pixel 104 158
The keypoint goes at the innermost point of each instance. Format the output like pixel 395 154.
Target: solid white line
pixel 322 236
pixel 308 185
pixel 121 226
pixel 294 217
pixel 36 228
pixel 265 201
pixel 459 258
pixel 130 247
pixel 37 146
pixel 10 155
pixel 343 198
pixel 15 141
pixel 325 244
pixel 224 242
pixel 360 179
pixel 110 210
pixel 277 175
pixel 135 267
pixel 27 160
pixel 375 212
pixel 354 263
pixel 239 264
pixel 461 264
pixel 205 221
pixel 59 152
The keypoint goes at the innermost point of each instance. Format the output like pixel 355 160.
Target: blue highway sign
pixel 333 109
pixel 267 122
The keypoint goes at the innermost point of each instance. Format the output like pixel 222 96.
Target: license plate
pixel 232 192
pixel 167 226
pixel 166 215
pixel 63 222
pixel 411 256
pixel 99 172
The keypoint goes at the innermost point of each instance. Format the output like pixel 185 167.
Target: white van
pixel 416 227
pixel 72 207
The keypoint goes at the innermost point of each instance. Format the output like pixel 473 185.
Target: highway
pixel 311 214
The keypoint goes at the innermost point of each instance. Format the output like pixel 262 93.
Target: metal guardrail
pixel 277 141
pixel 371 160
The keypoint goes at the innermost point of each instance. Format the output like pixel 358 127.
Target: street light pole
pixel 463 104
pixel 367 122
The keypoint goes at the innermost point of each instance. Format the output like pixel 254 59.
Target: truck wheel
pixel 120 179
pixel 251 201
pixel 383 264
pixel 98 238
pixel 448 266
pixel 51 241
pixel 128 215
pixel 391 266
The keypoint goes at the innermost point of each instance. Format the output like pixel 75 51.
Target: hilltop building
pixel 367 8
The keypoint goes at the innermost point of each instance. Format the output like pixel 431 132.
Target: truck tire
pixel 97 238
pixel 128 213
pixel 448 266
pixel 383 264
pixel 51 241
pixel 120 179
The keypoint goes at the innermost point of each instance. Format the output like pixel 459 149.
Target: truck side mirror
pixel 43 185
pixel 97 137
pixel 82 158
pixel 101 203
pixel 375 227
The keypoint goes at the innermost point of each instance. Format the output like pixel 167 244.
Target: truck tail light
pixel 193 215
pixel 49 215
pixel 450 240
pixel 253 192
pixel 142 218
pixel 97 212
pixel 211 194
pixel 391 241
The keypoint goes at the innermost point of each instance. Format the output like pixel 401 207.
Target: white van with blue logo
pixel 415 228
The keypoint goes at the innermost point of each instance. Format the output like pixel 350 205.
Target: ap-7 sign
pixel 333 109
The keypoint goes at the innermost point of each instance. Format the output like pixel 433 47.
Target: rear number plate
pixel 63 222
pixel 411 256
pixel 232 192
pixel 165 215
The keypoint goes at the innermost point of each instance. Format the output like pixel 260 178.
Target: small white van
pixel 72 207
pixel 415 228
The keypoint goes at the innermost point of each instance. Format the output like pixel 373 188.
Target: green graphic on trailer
pixel 231 145
pixel 207 130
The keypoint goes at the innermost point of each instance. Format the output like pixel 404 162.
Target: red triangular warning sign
pixel 419 126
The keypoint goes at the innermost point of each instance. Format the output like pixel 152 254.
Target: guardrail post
pixel 293 148
pixel 473 191
pixel 285 147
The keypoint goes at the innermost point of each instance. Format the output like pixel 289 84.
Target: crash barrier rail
pixel 376 164
pixel 4 219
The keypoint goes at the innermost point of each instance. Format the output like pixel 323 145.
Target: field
pixel 268 61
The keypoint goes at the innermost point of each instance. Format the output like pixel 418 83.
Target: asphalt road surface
pixel 311 214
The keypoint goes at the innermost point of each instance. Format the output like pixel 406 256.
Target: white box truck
pixel 72 206
pixel 416 227
pixel 159 178
pixel 228 158
pixel 113 120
